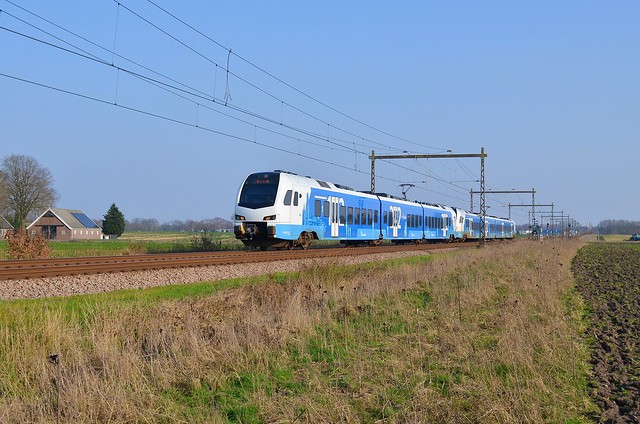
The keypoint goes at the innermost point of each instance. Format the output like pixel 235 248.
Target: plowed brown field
pixel 608 277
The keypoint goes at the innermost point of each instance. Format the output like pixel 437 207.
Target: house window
pixel 49 232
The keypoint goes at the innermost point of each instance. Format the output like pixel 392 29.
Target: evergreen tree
pixel 113 223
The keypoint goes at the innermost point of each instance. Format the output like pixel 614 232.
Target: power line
pixel 169 88
pixel 181 122
pixel 186 88
pixel 191 91
pixel 229 72
pixel 286 83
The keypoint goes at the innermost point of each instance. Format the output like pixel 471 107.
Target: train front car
pixel 280 209
pixel 255 209
pixel 274 209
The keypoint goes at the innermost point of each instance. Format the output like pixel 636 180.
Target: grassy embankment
pixel 489 335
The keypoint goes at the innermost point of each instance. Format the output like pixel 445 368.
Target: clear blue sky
pixel 550 89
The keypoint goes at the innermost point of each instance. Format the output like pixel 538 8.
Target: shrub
pixel 23 246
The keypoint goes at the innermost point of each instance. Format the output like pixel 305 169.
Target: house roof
pixel 4 224
pixel 71 218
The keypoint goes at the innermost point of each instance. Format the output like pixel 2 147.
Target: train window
pixel 295 199
pixel 375 217
pixel 350 215
pixel 363 221
pixel 287 197
pixel 326 209
pixel 370 216
pixel 357 216
pixel 409 220
pixel 343 214
pixel 317 208
pixel 385 217
pixel 259 190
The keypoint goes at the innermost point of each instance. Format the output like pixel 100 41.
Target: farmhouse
pixel 5 227
pixel 65 224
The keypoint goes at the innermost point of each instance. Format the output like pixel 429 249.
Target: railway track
pixel 38 268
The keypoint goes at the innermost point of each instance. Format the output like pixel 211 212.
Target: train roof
pixel 326 184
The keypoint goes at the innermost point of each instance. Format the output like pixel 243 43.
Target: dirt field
pixel 608 277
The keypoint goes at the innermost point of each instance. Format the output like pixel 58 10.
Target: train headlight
pixel 240 218
pixel 269 218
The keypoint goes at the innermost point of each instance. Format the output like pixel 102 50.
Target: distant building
pixel 65 224
pixel 5 227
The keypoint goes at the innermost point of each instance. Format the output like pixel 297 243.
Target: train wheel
pixel 305 240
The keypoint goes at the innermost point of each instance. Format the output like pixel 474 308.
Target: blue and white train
pixel 285 210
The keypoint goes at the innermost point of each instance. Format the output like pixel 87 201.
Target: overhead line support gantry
pixel 482 155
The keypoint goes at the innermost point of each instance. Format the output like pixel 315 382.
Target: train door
pixel 334 215
pixel 445 223
pixel 469 227
pixel 395 220
pixel 294 206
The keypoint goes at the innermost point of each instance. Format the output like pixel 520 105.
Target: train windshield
pixel 259 190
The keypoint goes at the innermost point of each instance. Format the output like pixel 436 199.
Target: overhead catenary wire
pixel 286 84
pixel 164 76
pixel 229 72
pixel 210 130
pixel 185 87
pixel 169 87
pixel 187 90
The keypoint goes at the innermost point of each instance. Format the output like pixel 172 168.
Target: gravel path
pixel 98 283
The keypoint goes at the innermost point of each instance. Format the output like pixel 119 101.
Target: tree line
pixel 619 226
pixel 152 224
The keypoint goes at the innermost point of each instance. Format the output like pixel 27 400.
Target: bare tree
pixel 4 193
pixel 28 187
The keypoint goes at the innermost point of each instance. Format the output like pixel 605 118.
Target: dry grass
pixel 491 335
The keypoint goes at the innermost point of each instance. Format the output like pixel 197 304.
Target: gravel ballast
pixel 100 283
